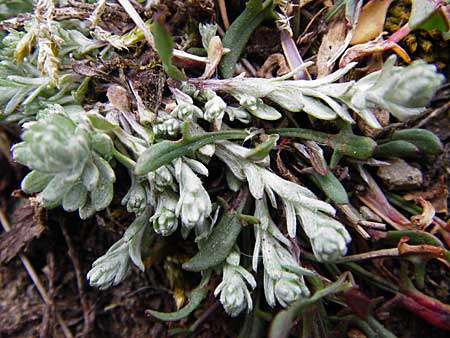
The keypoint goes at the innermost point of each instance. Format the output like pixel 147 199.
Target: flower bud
pixel 187 111
pixel 249 102
pixel 168 126
pixel 238 114
pixel 196 207
pixel 136 199
pixel 287 291
pixel 166 223
pixel 330 244
pixel 232 296
pixel 214 107
pixel 102 144
pixel 403 91
pixel 162 178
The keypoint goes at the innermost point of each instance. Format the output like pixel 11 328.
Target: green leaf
pixel 415 237
pixel 421 11
pixel 101 123
pixel 238 34
pixel 164 47
pixel 165 152
pixel 355 146
pixel 263 149
pixel 35 182
pixel 398 148
pixel 331 186
pixel 425 140
pixel 195 298
pixel 102 144
pixel 338 5
pixel 80 93
pixel 218 245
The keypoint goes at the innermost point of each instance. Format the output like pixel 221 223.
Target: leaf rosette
pixel 67 168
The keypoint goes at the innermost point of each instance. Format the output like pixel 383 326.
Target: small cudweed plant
pixel 73 153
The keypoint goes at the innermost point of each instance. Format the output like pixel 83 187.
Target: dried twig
pixel 80 281
pixel 433 114
pixel 223 13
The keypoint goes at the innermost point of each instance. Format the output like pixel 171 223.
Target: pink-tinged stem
pixel 399 34
pixel 430 309
pixel 293 56
pixel 375 200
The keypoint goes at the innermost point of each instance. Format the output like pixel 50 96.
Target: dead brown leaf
pixel 274 61
pixel 215 51
pixel 25 227
pixel 355 333
pixel 426 217
pixel 371 21
pixel 437 195
pixel 331 43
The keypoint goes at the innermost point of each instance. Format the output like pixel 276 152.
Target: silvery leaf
pixel 196 166
pixel 341 111
pixel 55 190
pixel 233 183
pixel 207 32
pixel 290 98
pixel 90 175
pixel 269 291
pixel 75 198
pixel 317 109
pixel 87 210
pixel 232 162
pixel 133 238
pixel 102 195
pixel 257 248
pixel 255 181
pixel 271 195
pixel 35 181
pixel 291 220
pixel 266 112
pixel 104 168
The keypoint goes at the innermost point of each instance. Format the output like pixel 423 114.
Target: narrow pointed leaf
pixel 218 245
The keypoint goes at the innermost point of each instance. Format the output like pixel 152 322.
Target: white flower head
pixel 194 205
pixel 167 126
pixel 234 294
pixel 328 237
pixel 287 290
pixel 330 244
pixel 165 222
pixel 136 198
pixel 214 107
pixel 184 111
pixel 161 178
